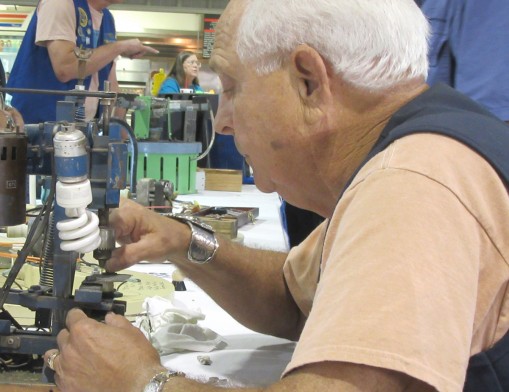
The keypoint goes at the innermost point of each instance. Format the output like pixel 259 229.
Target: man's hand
pixel 111 356
pixel 134 49
pixel 65 62
pixel 145 235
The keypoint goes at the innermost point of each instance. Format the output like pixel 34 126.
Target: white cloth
pixel 173 327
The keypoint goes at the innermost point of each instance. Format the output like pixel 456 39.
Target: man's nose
pixel 223 122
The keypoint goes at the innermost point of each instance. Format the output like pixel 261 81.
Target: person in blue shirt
pixel 183 75
pixel 469 49
pixel 47 61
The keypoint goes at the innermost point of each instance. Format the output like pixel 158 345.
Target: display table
pixel 267 231
pixel 250 359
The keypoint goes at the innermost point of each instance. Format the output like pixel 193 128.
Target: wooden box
pixel 223 180
pixel 226 220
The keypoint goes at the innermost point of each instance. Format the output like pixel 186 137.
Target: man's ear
pixel 310 71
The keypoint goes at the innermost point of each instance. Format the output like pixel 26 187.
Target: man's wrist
pixel 159 379
pixel 203 245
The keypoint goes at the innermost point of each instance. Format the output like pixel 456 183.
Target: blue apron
pixel 33 70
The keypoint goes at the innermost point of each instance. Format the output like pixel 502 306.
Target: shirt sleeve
pixel 302 268
pixel 414 269
pixel 56 21
pixel 396 290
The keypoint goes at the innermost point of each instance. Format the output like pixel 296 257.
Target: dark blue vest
pixel 32 68
pixel 443 110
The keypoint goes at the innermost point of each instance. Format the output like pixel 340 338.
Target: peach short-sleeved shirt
pixel 415 270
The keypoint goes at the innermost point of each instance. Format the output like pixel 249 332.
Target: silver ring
pixel 51 359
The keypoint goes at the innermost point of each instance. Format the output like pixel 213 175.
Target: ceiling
pixel 185 6
pixel 169 42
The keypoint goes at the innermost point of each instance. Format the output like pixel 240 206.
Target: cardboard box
pixel 223 180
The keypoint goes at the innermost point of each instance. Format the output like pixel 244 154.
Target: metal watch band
pixel 156 384
pixel 203 245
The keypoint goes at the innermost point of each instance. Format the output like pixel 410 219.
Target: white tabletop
pixel 267 231
pixel 249 359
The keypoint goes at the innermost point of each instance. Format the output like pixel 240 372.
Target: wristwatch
pixel 203 245
pixel 156 384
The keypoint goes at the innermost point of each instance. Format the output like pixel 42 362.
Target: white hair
pixel 373 44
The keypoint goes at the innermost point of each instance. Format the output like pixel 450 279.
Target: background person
pixel 298 223
pixel 469 49
pixel 408 276
pixel 183 75
pixel 46 58
pixel 8 115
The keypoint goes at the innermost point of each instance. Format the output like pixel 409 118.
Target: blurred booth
pixel 176 130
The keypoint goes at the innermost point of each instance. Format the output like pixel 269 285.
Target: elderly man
pixel 47 59
pixel 406 278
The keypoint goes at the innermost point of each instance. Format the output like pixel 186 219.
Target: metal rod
pixel 72 93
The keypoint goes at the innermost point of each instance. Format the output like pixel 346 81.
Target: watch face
pixel 152 386
pixel 203 245
pixel 158 381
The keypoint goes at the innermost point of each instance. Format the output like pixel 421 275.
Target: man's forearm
pixel 321 376
pixel 231 280
pixel 102 56
pixel 105 54
pixel 65 62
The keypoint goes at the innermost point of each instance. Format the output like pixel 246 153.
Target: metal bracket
pixel 13 342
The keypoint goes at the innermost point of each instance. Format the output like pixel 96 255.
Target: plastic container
pixel 157 80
